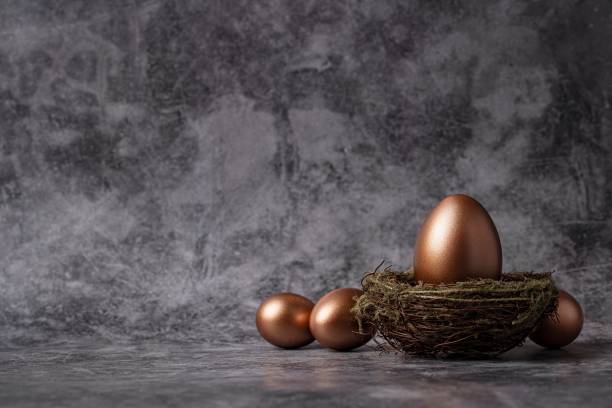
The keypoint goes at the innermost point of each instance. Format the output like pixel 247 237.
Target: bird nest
pixel 471 319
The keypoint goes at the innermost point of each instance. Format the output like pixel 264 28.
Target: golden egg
pixel 560 330
pixel 333 324
pixel 458 241
pixel 283 320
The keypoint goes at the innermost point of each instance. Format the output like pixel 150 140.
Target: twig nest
pixel 470 319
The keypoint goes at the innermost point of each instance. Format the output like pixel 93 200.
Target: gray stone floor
pixel 250 375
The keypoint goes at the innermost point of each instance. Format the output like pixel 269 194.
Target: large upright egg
pixel 457 242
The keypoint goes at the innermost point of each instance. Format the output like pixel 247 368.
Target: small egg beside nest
pixel 283 320
pixel 562 327
pixel 333 324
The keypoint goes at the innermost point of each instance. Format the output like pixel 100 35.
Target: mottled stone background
pixel 167 164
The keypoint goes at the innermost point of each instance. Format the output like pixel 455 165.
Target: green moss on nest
pixel 472 319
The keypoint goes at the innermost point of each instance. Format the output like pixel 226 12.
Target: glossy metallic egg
pixel 283 320
pixel 333 324
pixel 560 330
pixel 458 241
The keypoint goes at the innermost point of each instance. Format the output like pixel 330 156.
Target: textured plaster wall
pixel 164 165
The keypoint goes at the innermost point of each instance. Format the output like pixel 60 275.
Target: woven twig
pixel 476 318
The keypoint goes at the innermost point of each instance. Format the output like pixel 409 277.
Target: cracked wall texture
pixel 164 165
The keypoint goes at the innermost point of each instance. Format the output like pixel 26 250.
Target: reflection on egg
pixel 457 242
pixel 283 320
pixel 560 330
pixel 333 324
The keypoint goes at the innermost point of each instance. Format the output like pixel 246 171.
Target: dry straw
pixel 472 319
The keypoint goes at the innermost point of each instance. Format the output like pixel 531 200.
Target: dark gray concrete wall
pixel 167 164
